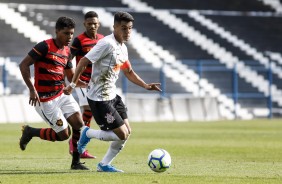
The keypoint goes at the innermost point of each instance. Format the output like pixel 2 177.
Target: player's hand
pixel 33 98
pixel 67 90
pixel 154 86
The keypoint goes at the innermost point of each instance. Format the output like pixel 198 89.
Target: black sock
pixel 35 132
pixel 75 157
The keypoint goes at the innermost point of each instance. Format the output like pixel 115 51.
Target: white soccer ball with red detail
pixel 159 160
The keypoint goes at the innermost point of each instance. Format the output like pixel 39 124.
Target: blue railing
pixel 4 78
pixel 235 91
pixel 200 67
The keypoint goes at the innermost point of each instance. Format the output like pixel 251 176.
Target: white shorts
pixel 82 96
pixel 59 108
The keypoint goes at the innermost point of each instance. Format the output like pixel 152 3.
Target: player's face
pixel 91 25
pixel 123 30
pixel 64 36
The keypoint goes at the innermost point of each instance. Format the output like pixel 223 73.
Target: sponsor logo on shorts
pixel 59 122
pixel 110 118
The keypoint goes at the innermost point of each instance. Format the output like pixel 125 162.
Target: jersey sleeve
pixel 75 47
pixel 100 50
pixel 69 65
pixel 126 65
pixel 39 51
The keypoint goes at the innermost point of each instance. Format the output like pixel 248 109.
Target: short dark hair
pixel 123 16
pixel 63 22
pixel 90 14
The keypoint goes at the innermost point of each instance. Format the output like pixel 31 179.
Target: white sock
pixel 102 135
pixel 114 149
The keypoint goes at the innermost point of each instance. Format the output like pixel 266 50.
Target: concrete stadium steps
pixel 230 5
pixel 39 16
pixel 170 40
pixel 262 37
pixel 274 4
pixel 216 38
pixel 166 45
pixel 13 43
pixel 21 24
pixel 96 3
pixel 262 62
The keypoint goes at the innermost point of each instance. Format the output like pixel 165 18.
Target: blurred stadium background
pixel 216 59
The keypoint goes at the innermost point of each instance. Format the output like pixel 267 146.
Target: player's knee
pixel 65 134
pixel 124 136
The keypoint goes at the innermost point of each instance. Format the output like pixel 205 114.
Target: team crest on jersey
pixel 59 122
pixel 110 118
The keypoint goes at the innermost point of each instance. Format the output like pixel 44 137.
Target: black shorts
pixel 108 114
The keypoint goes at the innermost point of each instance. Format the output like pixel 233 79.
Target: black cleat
pixel 78 166
pixel 26 137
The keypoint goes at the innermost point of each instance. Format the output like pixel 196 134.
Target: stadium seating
pixel 195 44
pixel 231 5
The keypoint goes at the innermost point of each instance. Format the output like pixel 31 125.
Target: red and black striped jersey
pixel 80 46
pixel 49 66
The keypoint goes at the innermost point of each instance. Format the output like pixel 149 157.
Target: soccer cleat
pixel 78 166
pixel 107 168
pixel 26 137
pixel 83 140
pixel 86 154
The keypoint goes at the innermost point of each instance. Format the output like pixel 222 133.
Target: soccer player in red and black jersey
pixel 81 45
pixel 52 61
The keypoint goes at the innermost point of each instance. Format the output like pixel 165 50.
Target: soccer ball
pixel 159 160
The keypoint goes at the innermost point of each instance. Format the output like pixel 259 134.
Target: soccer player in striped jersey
pixel 52 61
pixel 81 45
pixel 109 57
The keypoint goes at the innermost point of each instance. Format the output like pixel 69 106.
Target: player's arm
pixel 69 73
pixel 37 53
pixel 82 64
pixel 134 78
pixel 25 71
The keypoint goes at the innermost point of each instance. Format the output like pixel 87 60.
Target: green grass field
pixel 202 152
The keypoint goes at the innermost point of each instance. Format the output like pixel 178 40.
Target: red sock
pixel 49 134
pixel 87 116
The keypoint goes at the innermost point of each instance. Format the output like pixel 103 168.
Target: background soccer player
pixel 109 56
pixel 51 59
pixel 82 44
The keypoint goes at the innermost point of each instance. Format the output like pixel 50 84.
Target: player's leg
pixel 111 117
pixel 107 118
pixel 86 116
pixel 122 132
pixel 72 113
pixel 83 103
pixel 59 130
pixel 114 149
